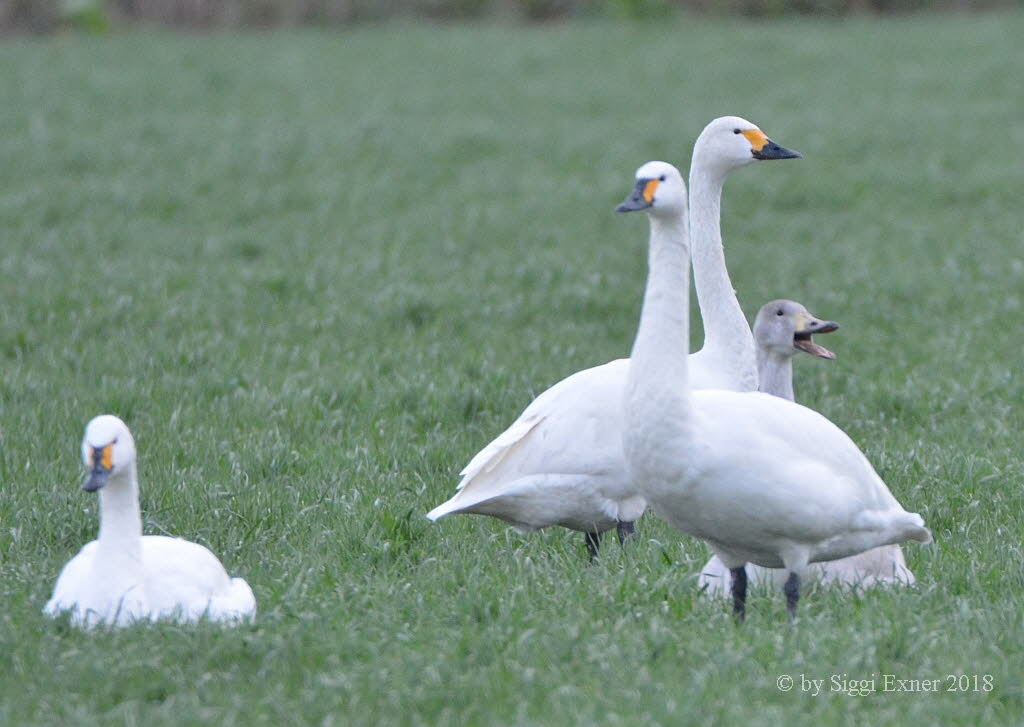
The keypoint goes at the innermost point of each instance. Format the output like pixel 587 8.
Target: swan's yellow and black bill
pixel 808 326
pixel 764 148
pixel 641 197
pixel 102 464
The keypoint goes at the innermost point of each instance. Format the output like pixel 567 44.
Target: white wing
pixel 182 575
pixel 72 581
pixel 561 461
pixel 179 580
pixel 569 438
pixel 768 472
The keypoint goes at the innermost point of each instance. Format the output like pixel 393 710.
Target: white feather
pixel 123 577
pixel 761 479
pixel 774 334
pixel 561 461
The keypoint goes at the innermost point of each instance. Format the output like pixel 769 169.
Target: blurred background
pixel 100 15
pixel 319 261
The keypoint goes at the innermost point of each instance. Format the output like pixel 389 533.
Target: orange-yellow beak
pixel 764 148
pixel 102 464
pixel 641 197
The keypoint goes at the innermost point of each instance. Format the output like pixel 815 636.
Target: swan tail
pixel 492 455
pixel 236 602
pixel 901 526
pixel 445 508
pixel 910 526
pixel 484 462
pixel 463 502
pixel 918 533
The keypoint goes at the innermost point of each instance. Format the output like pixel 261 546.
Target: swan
pixel 782 329
pixel 561 462
pixel 761 479
pixel 124 577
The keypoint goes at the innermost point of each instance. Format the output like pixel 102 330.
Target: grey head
pixel 784 328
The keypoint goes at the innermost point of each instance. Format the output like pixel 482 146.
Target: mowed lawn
pixel 315 272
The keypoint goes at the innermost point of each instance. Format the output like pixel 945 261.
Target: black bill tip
pixel 771 150
pixel 641 197
pixel 633 205
pixel 802 340
pixel 97 479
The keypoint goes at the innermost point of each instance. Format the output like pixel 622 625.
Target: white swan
pixel 781 330
pixel 561 462
pixel 761 479
pixel 122 576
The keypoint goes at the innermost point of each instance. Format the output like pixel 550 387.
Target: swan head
pixel 107 448
pixel 784 327
pixel 732 142
pixel 660 190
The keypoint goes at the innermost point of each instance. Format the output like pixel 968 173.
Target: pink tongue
pixel 808 346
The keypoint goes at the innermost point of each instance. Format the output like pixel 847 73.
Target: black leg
pixel 593 541
pixel 792 591
pixel 739 591
pixel 625 531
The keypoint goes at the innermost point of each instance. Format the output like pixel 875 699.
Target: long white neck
pixel 120 519
pixel 657 403
pixel 726 331
pixel 775 374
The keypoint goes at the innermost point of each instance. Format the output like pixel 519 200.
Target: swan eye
pixel 779 312
pixel 661 178
pixel 735 131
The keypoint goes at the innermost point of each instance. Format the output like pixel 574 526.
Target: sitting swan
pixel 122 576
pixel 782 329
pixel 561 462
pixel 761 479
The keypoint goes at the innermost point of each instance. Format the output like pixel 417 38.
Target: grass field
pixel 316 272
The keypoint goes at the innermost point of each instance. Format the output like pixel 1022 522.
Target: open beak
pixel 802 337
pixel 641 197
pixel 101 467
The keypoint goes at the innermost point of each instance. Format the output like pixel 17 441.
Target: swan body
pixel 761 479
pixel 180 580
pixel 783 328
pixel 561 461
pixel 124 577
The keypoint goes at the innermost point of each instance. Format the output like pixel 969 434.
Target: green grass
pixel 316 272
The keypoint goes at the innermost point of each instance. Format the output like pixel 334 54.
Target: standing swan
pixel 761 479
pixel 781 330
pixel 561 462
pixel 122 576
